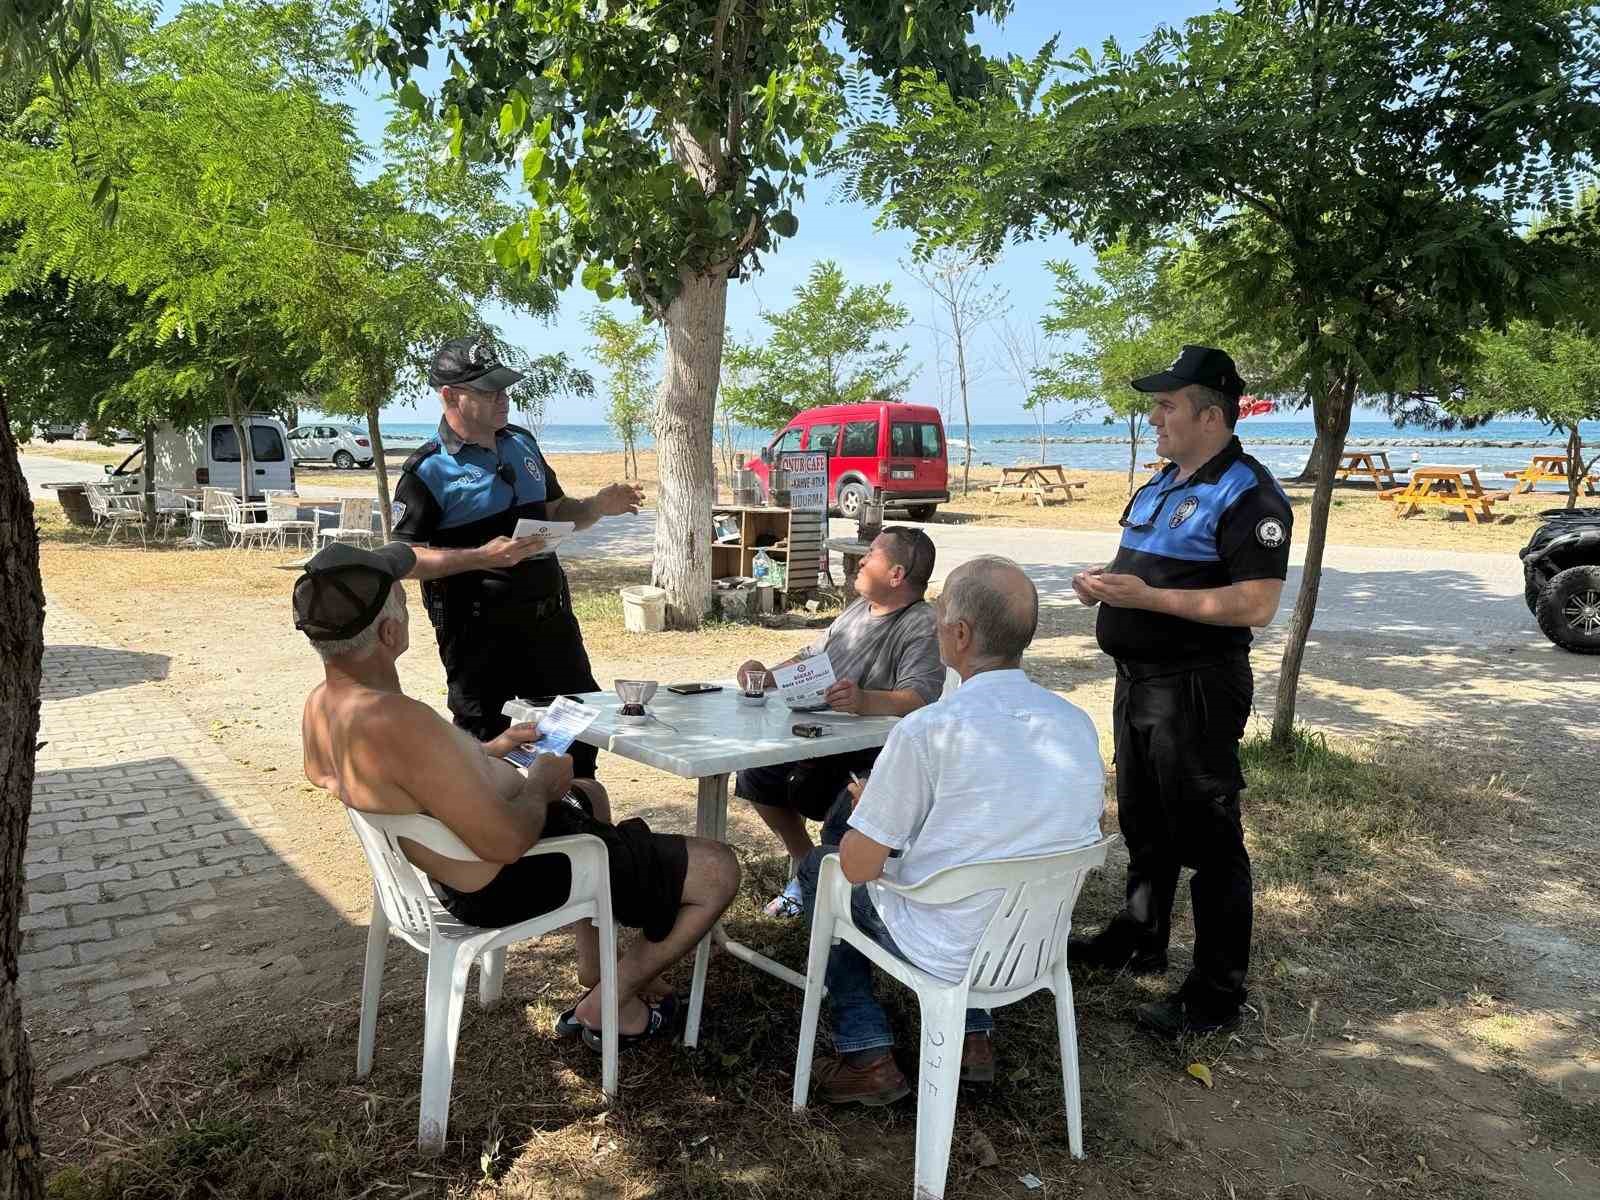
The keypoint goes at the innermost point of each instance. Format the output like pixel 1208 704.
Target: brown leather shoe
pixel 977 1059
pixel 876 1084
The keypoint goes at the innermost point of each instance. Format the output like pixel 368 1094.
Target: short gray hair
pixel 1001 628
pixel 361 644
pixel 1202 397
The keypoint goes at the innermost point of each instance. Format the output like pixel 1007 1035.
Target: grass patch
pixel 1565 1124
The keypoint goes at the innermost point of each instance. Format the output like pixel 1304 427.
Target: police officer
pixel 499 604
pixel 1204 553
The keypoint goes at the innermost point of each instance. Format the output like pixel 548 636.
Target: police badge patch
pixel 397 512
pixel 1270 532
pixel 1184 512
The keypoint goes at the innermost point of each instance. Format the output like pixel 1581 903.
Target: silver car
pixel 344 446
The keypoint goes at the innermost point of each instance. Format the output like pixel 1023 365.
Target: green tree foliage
pixel 1550 373
pixel 627 351
pixel 1354 170
pixel 1115 328
pixel 663 145
pixel 831 346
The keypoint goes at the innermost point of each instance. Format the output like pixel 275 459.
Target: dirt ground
pixel 1425 1014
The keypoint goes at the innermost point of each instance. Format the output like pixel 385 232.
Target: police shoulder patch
pixel 397 511
pixel 1270 532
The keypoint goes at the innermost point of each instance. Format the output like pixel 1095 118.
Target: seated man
pixel 885 662
pixel 381 752
pixel 1000 768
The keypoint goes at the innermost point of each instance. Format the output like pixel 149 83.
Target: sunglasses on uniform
pixel 1140 526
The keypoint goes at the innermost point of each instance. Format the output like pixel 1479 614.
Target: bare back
pixel 377 751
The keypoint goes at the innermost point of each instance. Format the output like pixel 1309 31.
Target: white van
pixel 208 456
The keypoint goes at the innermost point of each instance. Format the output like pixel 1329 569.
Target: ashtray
pixel 754 701
pixel 632 714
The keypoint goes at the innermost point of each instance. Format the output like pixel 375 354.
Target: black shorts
pixel 647 874
pixel 810 787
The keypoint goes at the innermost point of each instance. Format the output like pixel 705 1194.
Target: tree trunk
pixel 375 436
pixel 695 323
pixel 1308 473
pixel 1333 423
pixel 237 418
pixel 1575 471
pixel 1041 434
pixel 1133 450
pixel 21 650
pixel 966 408
pixel 150 475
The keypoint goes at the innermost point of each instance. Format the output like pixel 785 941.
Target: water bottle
pixel 761 567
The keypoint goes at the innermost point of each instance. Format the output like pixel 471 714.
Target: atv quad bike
pixel 1561 578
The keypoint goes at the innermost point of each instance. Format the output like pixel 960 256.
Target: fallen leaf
pixel 1030 1181
pixel 1201 1072
pixel 983 1149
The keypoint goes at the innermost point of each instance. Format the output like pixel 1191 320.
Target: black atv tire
pixel 1569 610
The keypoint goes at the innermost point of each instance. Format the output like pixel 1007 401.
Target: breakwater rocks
pixel 1269 440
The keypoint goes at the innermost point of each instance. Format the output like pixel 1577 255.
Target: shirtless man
pixel 380 751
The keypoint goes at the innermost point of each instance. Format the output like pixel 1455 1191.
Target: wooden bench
pixel 1457 487
pixel 1039 491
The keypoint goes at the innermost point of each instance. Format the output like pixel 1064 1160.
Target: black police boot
pixel 1114 954
pixel 1177 1016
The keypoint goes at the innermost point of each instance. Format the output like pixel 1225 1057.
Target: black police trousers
pixel 1178 784
pixel 498 652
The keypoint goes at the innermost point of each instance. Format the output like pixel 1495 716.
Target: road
pixel 1442 597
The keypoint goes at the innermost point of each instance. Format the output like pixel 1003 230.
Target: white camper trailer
pixel 208 456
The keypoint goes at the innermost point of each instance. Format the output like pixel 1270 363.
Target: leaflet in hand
pixel 553 533
pixel 562 722
pixel 803 684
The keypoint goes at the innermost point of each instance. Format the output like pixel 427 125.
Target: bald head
pixel 1000 604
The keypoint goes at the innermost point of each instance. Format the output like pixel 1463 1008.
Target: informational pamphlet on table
pixel 560 726
pixel 803 685
pixel 807 473
pixel 553 533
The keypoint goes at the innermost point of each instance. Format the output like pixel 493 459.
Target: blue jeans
pixel 859 1022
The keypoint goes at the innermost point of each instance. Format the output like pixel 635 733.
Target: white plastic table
pixel 707 738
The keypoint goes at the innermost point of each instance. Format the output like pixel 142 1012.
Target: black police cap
pixel 1204 365
pixel 468 362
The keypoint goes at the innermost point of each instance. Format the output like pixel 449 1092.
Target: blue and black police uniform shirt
pixel 451 496
pixel 1226 523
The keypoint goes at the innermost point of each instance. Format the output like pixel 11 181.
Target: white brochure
pixel 803 685
pixel 560 726
pixel 553 533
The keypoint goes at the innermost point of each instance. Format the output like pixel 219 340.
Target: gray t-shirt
pixel 897 651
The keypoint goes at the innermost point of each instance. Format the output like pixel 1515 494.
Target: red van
pixel 895 452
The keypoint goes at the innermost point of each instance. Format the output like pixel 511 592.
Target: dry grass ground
pixel 1392 1049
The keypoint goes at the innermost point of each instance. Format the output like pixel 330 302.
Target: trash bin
pixel 644 608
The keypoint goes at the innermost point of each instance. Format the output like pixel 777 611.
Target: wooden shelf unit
pixel 801 552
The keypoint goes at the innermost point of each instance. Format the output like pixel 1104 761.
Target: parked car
pixel 208 455
pixel 344 446
pixel 892 452
pixel 1561 578
pixel 63 433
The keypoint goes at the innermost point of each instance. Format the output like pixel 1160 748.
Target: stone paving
pixel 147 850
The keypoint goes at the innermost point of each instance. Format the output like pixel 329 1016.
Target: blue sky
pixel 832 228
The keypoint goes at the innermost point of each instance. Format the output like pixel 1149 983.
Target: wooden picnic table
pixel 1370 464
pixel 1155 464
pixel 1039 480
pixel 1548 468
pixel 1452 487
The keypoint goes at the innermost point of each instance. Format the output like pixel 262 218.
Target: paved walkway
pixel 144 837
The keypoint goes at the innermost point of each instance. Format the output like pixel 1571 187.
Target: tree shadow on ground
pixel 72 671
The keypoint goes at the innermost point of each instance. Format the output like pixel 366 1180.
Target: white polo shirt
pixel 999 768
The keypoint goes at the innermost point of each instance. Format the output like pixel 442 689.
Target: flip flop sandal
pixel 567 1024
pixel 662 1020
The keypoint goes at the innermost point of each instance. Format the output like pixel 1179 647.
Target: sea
pixel 1281 445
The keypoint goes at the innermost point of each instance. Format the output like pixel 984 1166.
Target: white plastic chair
pixel 117 510
pixel 283 518
pixel 212 511
pixel 355 523
pixel 1023 949
pixel 404 904
pixel 241 524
